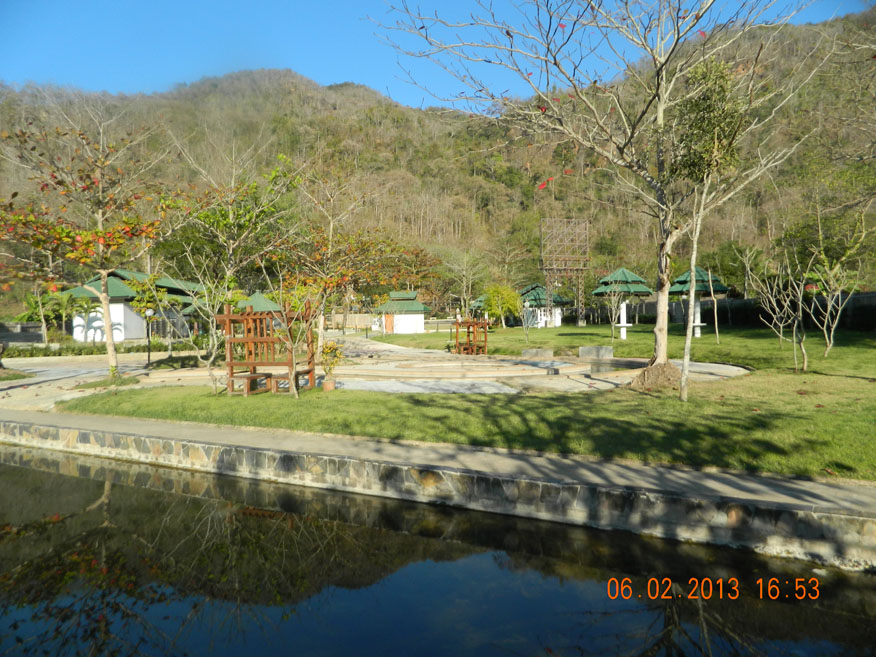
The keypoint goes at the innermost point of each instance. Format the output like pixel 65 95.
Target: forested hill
pixel 455 183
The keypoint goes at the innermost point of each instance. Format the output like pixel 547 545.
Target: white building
pixel 402 313
pixel 127 324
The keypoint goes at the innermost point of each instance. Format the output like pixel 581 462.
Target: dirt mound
pixel 662 375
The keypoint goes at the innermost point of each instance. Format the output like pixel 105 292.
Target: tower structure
pixel 565 249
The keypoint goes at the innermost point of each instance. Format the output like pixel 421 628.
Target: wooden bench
pixel 261 335
pixel 276 378
pixel 250 383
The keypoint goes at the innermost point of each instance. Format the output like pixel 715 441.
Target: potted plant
pixel 331 356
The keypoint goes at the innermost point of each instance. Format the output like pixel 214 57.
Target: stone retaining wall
pixel 780 530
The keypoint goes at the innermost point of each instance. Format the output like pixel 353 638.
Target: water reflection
pixel 121 559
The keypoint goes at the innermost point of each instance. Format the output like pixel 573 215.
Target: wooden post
pixel 311 354
pixel 228 357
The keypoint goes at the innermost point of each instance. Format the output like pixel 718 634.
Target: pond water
pixel 104 558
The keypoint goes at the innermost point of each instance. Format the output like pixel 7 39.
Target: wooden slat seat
pixel 250 382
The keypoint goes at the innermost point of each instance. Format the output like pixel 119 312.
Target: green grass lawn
pixel 12 375
pixel 821 423
pixel 854 352
pixel 812 424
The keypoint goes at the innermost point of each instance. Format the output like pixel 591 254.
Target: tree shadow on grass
pixel 579 424
pixel 869 379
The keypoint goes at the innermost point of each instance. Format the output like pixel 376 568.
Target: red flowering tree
pixel 89 202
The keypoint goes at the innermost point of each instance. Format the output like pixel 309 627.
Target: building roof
pixel 403 295
pixel 536 295
pixel 622 281
pixel 115 286
pixel 682 284
pixel 402 303
pixel 119 290
pixel 634 289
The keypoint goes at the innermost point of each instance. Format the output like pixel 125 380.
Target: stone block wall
pixel 821 535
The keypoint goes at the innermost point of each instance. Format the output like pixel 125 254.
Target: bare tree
pixel 613 301
pixel 780 287
pixel 466 269
pixel 337 198
pixel 609 77
pixel 835 271
pixel 220 234
pixel 93 193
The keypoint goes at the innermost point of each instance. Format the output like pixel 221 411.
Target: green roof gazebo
pixel 702 283
pixel 622 281
pixel 260 304
pixel 535 313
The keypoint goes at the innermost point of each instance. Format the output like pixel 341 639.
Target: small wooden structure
pixel 475 336
pixel 265 335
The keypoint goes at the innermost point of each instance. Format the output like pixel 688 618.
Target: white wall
pixel 409 324
pixel 133 325
pixel 127 325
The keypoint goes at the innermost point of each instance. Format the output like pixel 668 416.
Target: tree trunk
pixel 346 308
pixel 320 334
pixel 661 327
pixel 44 330
pixel 800 335
pixel 691 299
pixel 111 355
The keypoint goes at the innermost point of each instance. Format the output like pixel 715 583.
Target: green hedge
pixel 79 349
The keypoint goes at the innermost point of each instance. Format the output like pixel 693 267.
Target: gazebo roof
pixel 635 289
pixel 682 284
pixel 260 303
pixel 536 295
pixel 622 281
pixel 622 275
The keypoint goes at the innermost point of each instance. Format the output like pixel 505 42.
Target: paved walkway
pixel 370 365
pixel 846 498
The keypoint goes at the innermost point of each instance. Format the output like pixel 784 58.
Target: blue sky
pixel 122 46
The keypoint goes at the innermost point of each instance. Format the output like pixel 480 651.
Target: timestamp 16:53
pixel 707 588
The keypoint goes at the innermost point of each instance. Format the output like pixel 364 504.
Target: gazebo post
pixel 697 318
pixel 623 324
